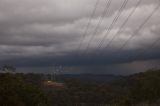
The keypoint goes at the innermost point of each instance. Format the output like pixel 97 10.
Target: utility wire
pixel 140 27
pixel 146 50
pixel 104 13
pixel 125 22
pixel 88 25
pixel 113 23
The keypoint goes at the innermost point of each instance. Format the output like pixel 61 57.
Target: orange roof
pixel 53 84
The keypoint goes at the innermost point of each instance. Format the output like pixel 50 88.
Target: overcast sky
pixel 36 35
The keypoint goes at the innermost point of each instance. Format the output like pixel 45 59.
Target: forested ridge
pixel 29 90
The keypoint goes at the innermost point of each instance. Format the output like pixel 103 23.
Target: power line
pixel 106 10
pixel 125 22
pixel 140 27
pixel 147 50
pixel 89 23
pixel 150 47
pixel 113 23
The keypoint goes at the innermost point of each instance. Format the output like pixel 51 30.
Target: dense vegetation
pixel 28 90
pixel 15 91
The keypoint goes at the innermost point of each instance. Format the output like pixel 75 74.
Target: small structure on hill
pixel 51 80
pixel 53 84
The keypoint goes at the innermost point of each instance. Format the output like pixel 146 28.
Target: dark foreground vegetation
pixel 29 90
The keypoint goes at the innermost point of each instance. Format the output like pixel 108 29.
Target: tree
pixel 16 91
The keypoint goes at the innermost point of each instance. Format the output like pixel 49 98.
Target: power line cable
pixel 125 22
pixel 113 23
pixel 105 12
pixel 116 18
pixel 140 27
pixel 88 24
pixel 146 50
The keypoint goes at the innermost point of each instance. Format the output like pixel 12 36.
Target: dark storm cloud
pixel 42 33
pixel 70 59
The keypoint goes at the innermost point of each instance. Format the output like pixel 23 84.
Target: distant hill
pixel 141 89
pixel 144 87
pixel 91 77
